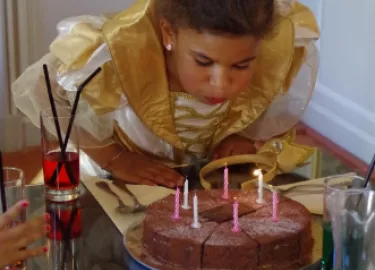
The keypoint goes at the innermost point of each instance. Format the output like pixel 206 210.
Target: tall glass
pixel 331 184
pixel 60 165
pixel 352 214
pixel 64 240
pixel 14 183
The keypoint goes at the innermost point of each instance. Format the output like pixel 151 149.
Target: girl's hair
pixel 228 17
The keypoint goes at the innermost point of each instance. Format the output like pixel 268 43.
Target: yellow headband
pixel 276 155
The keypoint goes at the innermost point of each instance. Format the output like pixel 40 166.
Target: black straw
pixel 370 169
pixel 53 106
pixel 53 179
pixel 74 112
pixel 2 185
pixel 75 105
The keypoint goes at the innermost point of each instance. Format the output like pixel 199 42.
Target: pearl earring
pixel 169 47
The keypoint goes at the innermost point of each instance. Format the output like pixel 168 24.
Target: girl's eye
pixel 241 67
pixel 203 63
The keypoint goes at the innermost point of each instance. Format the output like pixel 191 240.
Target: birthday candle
pixel 236 227
pixel 277 197
pixel 196 223
pixel 176 214
pixel 260 185
pixel 186 195
pixel 275 201
pixel 225 195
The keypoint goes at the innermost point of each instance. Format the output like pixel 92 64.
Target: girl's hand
pixel 136 168
pixel 14 239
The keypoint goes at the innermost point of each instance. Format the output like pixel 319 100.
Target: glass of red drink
pixel 64 240
pixel 14 183
pixel 65 220
pixel 60 155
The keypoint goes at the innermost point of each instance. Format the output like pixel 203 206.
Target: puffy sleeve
pixel 295 93
pixel 78 51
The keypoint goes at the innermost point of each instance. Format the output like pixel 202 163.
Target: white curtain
pixel 19 37
pixel 20 20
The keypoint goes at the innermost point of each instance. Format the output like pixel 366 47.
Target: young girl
pixel 179 79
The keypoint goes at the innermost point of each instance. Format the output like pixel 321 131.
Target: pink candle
pixel 275 201
pixel 176 214
pixel 236 227
pixel 225 195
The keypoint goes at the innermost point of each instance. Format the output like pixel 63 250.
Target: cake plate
pixel 140 260
pixel 138 257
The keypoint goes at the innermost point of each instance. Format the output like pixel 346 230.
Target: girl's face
pixel 213 68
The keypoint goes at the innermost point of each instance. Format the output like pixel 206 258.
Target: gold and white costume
pixel 129 101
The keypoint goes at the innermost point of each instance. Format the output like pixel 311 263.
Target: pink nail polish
pixel 47 217
pixel 25 204
pixel 48 228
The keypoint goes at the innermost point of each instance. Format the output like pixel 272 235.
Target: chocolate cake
pixel 261 242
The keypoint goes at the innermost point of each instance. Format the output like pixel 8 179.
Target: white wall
pixel 343 108
pixel 55 10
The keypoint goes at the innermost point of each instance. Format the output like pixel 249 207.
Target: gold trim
pixel 191 113
pixel 199 139
pixel 185 95
pixel 203 133
pixel 317 164
pixel 209 126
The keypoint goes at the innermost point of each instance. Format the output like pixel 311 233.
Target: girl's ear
pixel 168 34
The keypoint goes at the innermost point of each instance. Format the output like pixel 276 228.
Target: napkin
pixel 145 194
pixel 38 178
pixel 313 202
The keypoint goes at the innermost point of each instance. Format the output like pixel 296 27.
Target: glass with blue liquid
pixel 352 215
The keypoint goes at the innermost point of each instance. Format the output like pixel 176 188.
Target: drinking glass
pixel 14 183
pixel 64 240
pixel 60 165
pixel 352 214
pixel 331 184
